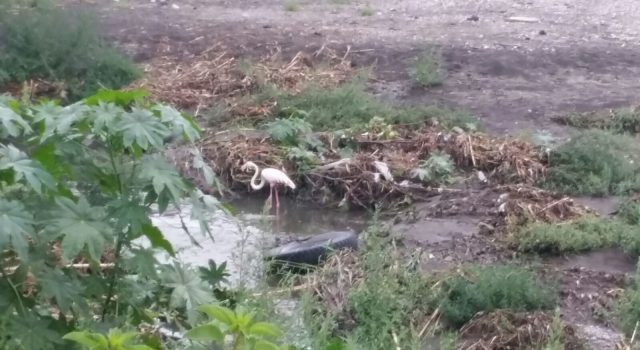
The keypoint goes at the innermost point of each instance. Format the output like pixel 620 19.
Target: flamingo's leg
pixel 271 193
pixel 277 198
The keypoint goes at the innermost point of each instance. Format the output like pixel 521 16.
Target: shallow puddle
pixel 239 240
pixel 612 261
pixel 434 230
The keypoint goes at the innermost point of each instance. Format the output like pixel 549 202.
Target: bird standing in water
pixel 273 176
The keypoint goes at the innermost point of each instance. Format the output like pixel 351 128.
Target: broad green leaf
pixel 12 123
pixel 219 313
pixel 118 339
pixel 207 332
pixel 139 347
pixel 105 116
pixel 33 332
pixel 180 124
pixel 157 239
pixel 265 345
pixel 57 119
pixel 60 287
pixel 188 289
pixel 90 340
pixel 16 226
pixel 207 172
pixel 265 329
pixel 121 98
pixel 129 215
pixel 141 128
pixel 25 168
pixel 163 176
pixel 81 225
pixel 144 262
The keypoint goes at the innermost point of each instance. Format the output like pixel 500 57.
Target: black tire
pixel 313 250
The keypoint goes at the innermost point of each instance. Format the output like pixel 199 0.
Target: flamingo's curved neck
pixel 255 178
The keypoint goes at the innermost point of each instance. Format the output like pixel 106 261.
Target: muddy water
pixel 240 239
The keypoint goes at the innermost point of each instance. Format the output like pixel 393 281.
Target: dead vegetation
pixel 217 77
pixel 358 180
pixel 503 329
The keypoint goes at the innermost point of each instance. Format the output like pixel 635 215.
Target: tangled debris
pixel 215 77
pixel 523 204
pixel 503 329
pixel 380 171
pixel 331 283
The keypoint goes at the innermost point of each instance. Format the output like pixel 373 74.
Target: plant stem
pixel 119 241
pixel 114 275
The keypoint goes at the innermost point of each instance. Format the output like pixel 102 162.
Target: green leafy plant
pixel 435 170
pixel 595 162
pixel 79 183
pixel 114 340
pixel 62 46
pixel 290 131
pixel 244 330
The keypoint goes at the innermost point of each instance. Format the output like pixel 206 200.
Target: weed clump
pixel 581 235
pixel 629 306
pixel 584 234
pixel 491 288
pixel 623 120
pixel 428 70
pixel 51 43
pixel 595 162
pixel 350 105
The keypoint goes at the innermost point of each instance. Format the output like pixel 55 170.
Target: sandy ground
pixel 567 56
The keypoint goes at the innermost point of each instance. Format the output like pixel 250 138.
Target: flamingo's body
pixel 273 176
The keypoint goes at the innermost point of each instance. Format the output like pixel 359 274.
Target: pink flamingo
pixel 273 176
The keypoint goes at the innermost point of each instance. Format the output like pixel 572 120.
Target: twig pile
pixel 226 155
pixel 506 158
pixel 503 329
pixel 214 77
pixel 523 204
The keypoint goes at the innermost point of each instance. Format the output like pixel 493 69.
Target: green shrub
pixel 494 287
pixel 389 300
pixel 428 70
pixel 350 105
pixel 629 212
pixel 49 42
pixel 436 170
pixel 595 162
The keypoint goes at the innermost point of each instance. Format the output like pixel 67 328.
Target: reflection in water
pixel 240 240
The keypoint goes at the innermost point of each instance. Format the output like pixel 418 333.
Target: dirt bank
pixel 515 73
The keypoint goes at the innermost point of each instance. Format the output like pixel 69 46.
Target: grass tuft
pixel 366 11
pixel 490 288
pixel 429 70
pixel 47 41
pixel 595 162
pixel 292 5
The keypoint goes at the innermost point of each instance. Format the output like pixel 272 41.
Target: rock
pixel 485 229
pixel 523 19
pixel 473 18
pixel 542 32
